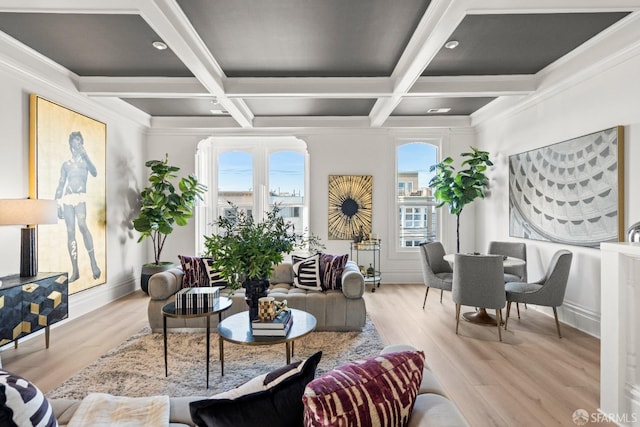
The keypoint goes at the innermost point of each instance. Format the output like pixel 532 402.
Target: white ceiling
pixel 309 63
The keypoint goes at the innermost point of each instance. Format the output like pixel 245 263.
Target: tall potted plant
pixel 458 189
pixel 245 251
pixel 164 206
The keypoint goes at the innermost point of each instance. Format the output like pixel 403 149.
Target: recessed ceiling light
pixel 438 110
pixel 159 45
pixel 219 112
pixel 452 44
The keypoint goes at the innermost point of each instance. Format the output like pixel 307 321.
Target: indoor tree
pixel 458 189
pixel 165 204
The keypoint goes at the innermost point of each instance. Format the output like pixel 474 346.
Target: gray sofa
pixel 334 310
pixel 432 407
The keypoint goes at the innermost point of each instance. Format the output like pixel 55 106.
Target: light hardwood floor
pixel 532 378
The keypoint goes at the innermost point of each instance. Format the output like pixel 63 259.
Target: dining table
pixel 480 316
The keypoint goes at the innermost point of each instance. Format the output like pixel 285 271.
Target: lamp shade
pixel 28 211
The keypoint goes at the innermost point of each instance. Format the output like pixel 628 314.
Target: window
pixel 254 174
pixel 417 218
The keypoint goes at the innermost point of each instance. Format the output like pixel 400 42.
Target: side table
pixel 169 310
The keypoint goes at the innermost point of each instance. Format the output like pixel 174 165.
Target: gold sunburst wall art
pixel 350 204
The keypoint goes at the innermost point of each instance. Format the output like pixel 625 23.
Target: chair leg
pixel 441 292
pixel 499 322
pixel 457 317
pixel 508 311
pixel 555 314
pixel 518 309
pixel 425 298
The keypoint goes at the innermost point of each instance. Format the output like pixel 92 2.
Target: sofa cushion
pixel 331 267
pixel 306 272
pixel 378 391
pixel 22 403
pixel 194 271
pixel 269 400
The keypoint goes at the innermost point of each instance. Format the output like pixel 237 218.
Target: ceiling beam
pixel 143 87
pixel 473 86
pixel 168 20
pixel 440 19
pixel 326 87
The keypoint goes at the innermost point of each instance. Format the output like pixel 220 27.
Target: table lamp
pixel 28 212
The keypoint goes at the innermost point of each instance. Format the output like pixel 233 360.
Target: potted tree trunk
pixel 458 189
pixel 164 206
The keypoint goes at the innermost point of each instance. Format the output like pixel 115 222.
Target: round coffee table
pixel 169 310
pixel 236 329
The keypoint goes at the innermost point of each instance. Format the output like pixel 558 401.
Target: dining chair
pixel 436 272
pixel 516 250
pixel 549 292
pixel 478 282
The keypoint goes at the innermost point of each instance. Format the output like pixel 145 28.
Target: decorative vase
pixel 255 289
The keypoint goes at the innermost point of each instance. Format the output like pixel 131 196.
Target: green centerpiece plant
pixel 165 204
pixel 458 189
pixel 245 251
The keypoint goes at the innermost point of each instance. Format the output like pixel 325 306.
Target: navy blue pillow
pixel 279 406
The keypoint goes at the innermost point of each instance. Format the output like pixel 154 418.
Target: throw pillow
pixel 306 272
pixel 270 400
pixel 23 404
pixel 379 391
pixel 194 272
pixel 214 276
pixel 331 267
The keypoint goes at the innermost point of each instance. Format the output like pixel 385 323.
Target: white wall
pixel 334 152
pixel 608 97
pixel 125 170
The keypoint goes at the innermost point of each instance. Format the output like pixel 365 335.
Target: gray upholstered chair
pixel 515 250
pixel 548 292
pixel 478 282
pixel 436 272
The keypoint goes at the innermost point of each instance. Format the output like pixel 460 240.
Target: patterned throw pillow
pixel 379 391
pixel 194 272
pixel 215 278
pixel 269 400
pixel 331 267
pixel 23 404
pixel 306 272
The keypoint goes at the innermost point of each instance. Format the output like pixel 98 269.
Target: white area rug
pixel 136 367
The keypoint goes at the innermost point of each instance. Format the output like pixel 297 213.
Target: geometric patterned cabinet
pixel 28 304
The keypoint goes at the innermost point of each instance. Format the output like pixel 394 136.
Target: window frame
pixel 395 225
pixel 260 148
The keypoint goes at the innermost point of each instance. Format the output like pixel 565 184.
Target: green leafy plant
pixel 458 189
pixel 245 249
pixel 162 206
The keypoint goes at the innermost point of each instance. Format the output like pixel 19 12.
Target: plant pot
pixel 149 270
pixel 255 289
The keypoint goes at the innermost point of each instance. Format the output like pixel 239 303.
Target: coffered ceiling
pixel 277 63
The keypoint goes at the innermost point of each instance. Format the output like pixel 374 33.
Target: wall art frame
pixel 350 206
pixel 68 164
pixel 571 192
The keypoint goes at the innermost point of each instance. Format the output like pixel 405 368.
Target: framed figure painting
pixel 67 163
pixel 570 192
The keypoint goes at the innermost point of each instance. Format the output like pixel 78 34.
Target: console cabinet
pixel 28 304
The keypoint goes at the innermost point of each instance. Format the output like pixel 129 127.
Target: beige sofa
pixel 432 407
pixel 334 310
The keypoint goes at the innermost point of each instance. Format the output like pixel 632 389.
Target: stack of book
pixel 278 327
